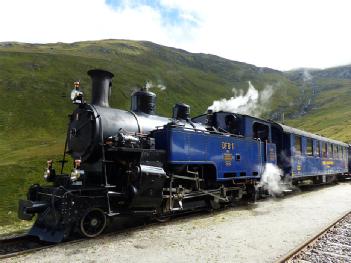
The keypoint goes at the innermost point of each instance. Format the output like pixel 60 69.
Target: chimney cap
pixel 101 72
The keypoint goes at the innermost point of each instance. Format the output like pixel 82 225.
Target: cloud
pixel 43 21
pixel 274 33
pixel 170 14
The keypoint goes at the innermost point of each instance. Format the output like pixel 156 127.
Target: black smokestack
pixel 101 90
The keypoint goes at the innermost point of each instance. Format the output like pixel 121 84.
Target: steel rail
pixel 294 252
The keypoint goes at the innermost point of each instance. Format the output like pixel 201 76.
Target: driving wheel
pixel 93 223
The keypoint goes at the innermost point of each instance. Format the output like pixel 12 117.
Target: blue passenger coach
pixel 303 155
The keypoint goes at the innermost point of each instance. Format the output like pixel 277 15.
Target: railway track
pixel 25 244
pixel 18 245
pixel 332 244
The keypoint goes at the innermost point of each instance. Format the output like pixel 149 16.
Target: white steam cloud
pixel 271 180
pixel 150 85
pixel 252 102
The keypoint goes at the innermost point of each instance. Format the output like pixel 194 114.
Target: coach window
pixel 298 142
pixel 335 151
pixel 330 152
pixel 341 152
pixel 318 149
pixel 324 150
pixel 309 149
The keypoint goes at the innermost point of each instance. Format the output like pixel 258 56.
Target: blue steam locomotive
pixel 137 163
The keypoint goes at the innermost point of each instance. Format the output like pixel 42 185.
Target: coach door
pixel 261 133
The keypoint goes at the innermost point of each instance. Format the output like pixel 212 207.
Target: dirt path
pixel 258 233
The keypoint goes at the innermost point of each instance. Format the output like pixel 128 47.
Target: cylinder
pixel 101 87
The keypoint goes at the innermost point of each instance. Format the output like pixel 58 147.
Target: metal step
pixel 109 186
pixel 112 193
pixel 113 214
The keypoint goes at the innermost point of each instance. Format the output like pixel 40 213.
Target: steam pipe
pixel 101 87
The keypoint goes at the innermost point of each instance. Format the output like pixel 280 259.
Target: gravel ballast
pixel 262 232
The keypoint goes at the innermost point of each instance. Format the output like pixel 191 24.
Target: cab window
pixel 260 131
pixel 232 124
pixel 228 123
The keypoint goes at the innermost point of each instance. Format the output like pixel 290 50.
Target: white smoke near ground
pixel 150 85
pixel 252 102
pixel 271 180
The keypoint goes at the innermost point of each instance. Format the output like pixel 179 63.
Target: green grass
pixel 36 80
pixel 330 115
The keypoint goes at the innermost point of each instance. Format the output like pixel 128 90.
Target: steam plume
pixel 252 102
pixel 151 85
pixel 271 180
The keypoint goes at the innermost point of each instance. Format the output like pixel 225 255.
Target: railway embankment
pixel 261 232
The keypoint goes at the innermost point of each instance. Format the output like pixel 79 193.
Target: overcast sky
pixel 281 34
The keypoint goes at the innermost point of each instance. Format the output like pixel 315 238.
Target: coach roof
pixel 291 130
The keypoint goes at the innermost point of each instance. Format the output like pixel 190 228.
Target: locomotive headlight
pixel 49 173
pixel 76 174
pixel 46 174
pixel 77 96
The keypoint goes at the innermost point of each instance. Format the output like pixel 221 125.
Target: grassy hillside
pixel 326 102
pixel 36 80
